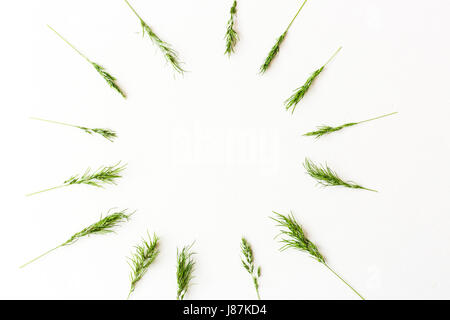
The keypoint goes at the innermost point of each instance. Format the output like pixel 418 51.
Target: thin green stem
pixel 292 21
pixel 385 115
pixel 334 55
pixel 326 265
pixel 369 189
pixel 73 47
pixel 24 265
pixel 56 122
pixel 45 190
pixel 257 293
pixel 133 9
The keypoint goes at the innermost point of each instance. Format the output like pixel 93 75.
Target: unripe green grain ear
pixel 105 75
pixel 144 255
pixel 231 36
pixel 248 262
pixel 276 47
pixel 327 177
pixel 169 53
pixel 185 270
pixel 324 130
pixel 104 132
pixel 300 92
pixel 293 236
pixel 103 226
pixel 103 176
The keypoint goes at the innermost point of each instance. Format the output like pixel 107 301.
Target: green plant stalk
pixel 105 75
pixel 108 134
pixel 276 47
pixel 48 189
pixel 300 92
pixel 345 282
pixel 257 291
pixel 295 238
pixel 38 257
pixel 103 226
pixel 55 122
pixel 295 17
pixel 324 130
pixel 169 53
pixel 103 175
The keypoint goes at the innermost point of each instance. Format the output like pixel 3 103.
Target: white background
pixel 211 154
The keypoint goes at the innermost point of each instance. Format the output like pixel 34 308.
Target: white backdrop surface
pixel 211 154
